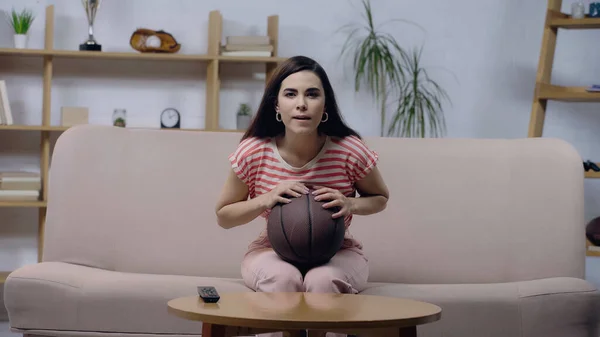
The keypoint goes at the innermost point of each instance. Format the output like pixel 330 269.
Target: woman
pixel 298 141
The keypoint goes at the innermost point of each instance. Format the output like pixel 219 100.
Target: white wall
pixel 484 52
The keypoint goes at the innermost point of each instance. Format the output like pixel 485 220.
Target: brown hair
pixel 264 124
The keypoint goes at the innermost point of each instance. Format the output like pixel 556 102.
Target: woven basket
pixel 168 44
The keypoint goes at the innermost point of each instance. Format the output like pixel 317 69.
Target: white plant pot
pixel 20 41
pixel 243 121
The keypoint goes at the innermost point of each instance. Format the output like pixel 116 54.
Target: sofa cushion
pixel 62 296
pixel 560 306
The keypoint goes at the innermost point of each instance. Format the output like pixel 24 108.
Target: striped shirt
pixel 339 164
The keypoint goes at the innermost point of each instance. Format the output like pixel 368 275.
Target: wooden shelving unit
pixel 545 90
pixel 556 19
pixel 212 59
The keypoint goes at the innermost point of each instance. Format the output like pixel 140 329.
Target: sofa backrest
pixel 460 210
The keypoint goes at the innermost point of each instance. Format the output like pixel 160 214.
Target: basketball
pixel 592 231
pixel 304 233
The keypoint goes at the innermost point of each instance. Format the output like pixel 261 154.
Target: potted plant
pixel 418 112
pixel 394 75
pixel 21 23
pixel 244 116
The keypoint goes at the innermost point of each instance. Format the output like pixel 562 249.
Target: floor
pixel 4 330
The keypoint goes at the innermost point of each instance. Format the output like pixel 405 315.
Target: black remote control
pixel 208 294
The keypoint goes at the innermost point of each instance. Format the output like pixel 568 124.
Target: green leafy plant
pixel 21 22
pixel 393 74
pixel 419 111
pixel 244 110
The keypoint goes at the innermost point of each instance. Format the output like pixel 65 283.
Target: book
pixel 249 39
pixel 19 195
pixel 20 181
pixel 6 117
pixel 246 53
pixel 248 47
pixel 593 88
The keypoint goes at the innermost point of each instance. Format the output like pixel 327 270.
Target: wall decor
pixel 71 116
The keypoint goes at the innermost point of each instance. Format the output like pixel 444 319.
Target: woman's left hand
pixel 335 197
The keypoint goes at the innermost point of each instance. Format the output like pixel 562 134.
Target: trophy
pixel 90 7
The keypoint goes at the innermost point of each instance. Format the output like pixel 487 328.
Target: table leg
pixel 383 332
pixel 408 332
pixel 213 330
pixel 216 330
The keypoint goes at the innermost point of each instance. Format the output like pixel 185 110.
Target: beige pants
pixel 346 272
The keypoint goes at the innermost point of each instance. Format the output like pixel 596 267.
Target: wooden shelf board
pixel 104 55
pixel 591 174
pixel 64 128
pixel 249 59
pixel 37 204
pixel 561 20
pixel 129 55
pixel 135 55
pixel 567 94
pixel 32 128
pixel 589 252
pixel 3 276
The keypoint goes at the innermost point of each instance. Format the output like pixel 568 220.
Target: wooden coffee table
pixel 248 313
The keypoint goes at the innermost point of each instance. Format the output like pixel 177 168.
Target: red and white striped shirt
pixel 340 163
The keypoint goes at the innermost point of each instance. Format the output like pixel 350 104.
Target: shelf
pixel 211 59
pixel 32 128
pixel 64 128
pixel 565 21
pixel 567 94
pixel 592 174
pixel 34 204
pixel 135 56
pixel 247 59
pixel 590 249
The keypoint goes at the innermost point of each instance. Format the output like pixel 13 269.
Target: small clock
pixel 170 119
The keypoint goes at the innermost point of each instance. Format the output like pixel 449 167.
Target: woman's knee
pixel 346 272
pixel 265 271
pixel 284 279
pixel 327 280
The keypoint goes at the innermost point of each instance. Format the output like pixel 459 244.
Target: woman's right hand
pixel 283 189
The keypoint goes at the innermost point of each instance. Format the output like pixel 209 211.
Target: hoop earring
pixel 278 117
pixel 326 117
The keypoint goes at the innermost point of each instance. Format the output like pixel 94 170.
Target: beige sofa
pixel 490 230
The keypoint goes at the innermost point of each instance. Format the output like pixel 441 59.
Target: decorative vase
pixel 20 41
pixel 243 121
pixel 119 118
pixel 578 10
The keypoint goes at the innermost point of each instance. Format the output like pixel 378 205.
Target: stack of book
pixel 5 113
pixel 247 46
pixel 20 186
pixel 593 88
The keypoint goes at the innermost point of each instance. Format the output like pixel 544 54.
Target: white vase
pixel 243 121
pixel 20 41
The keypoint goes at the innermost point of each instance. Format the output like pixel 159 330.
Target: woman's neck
pixel 301 148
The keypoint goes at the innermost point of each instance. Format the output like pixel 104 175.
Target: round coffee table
pixel 257 312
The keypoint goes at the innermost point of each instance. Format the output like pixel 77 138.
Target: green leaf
pixel 21 22
pixel 393 76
